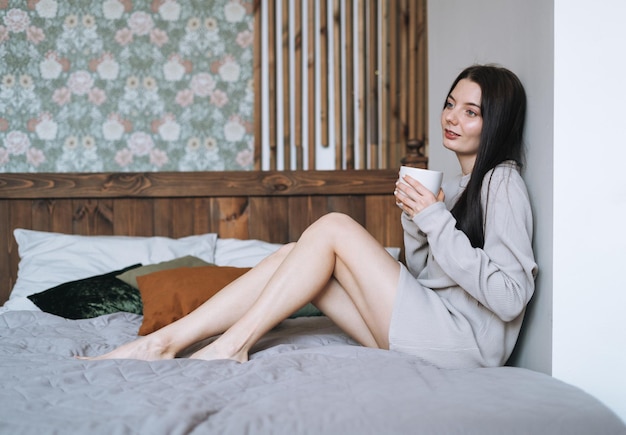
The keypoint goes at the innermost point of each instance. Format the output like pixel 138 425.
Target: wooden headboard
pixel 270 206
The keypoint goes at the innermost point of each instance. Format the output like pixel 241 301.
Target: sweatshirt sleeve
pixel 415 246
pixel 501 274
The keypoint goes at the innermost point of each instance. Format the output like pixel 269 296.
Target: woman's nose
pixel 451 117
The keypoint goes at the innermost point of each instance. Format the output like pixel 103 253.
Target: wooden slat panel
pixel 383 219
pixel 64 205
pixel 103 221
pixel 384 71
pixel 350 205
pixel 258 80
pixel 311 83
pixel 413 107
pixel 21 214
pixel 323 71
pixel 404 89
pixel 232 216
pixel 421 75
pixel 18 214
pixel 39 214
pixel 286 83
pixel 202 213
pixel 391 80
pixel 298 56
pixel 269 219
pixel 9 249
pixel 349 93
pixel 133 217
pixel 372 85
pixel 191 184
pixel 317 206
pixel 182 219
pixel 336 77
pixel 53 215
pixel 93 217
pixel 273 77
pixel 162 215
pixel 362 100
pixel 303 211
pixel 395 85
pixel 298 216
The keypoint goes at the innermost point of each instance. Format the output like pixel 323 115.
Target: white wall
pixel 486 31
pixel 589 289
pixel 569 55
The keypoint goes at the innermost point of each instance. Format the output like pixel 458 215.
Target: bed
pixel 70 236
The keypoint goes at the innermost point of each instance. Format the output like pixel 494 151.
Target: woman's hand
pixel 412 197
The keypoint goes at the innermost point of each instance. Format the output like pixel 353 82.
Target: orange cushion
pixel 168 295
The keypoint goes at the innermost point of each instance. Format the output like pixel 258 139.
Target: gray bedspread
pixel 304 377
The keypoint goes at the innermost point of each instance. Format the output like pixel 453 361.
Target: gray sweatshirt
pixel 487 289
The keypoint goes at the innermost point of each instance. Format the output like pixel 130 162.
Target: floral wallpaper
pixel 126 85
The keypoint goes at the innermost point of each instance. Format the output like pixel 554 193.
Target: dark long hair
pixel 503 109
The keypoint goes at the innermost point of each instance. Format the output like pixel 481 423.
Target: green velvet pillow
pixel 90 297
pixel 307 311
pixel 130 277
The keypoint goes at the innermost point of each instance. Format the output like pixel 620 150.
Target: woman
pixel 470 270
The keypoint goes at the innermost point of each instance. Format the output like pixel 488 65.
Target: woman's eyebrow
pixel 469 103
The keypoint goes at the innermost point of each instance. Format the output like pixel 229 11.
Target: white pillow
pixel 242 253
pixel 48 259
pixel 248 253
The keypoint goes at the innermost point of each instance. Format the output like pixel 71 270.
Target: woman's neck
pixel 467 163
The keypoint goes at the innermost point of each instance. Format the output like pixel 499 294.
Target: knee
pixel 334 222
pixel 279 255
pixel 338 219
pixel 284 250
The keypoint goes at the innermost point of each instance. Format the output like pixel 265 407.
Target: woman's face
pixel 462 122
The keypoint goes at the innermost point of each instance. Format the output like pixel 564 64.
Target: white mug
pixel 429 178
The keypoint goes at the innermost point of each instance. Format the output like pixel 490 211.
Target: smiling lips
pixel 450 134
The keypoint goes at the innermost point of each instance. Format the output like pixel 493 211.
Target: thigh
pixel 368 274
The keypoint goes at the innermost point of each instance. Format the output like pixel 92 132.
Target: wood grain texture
pixel 195 184
pixel 369 72
pixel 272 206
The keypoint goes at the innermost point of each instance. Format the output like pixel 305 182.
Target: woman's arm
pixel 501 274
pixel 415 246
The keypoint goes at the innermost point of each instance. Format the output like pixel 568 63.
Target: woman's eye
pixel 448 105
pixel 472 113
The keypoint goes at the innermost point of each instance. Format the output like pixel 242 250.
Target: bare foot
pixel 144 348
pixel 211 352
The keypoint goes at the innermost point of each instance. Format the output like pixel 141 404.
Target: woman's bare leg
pixel 355 286
pixel 336 304
pixel 334 247
pixel 211 318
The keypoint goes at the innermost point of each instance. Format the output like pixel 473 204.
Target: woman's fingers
pixel 404 200
pixel 441 196
pixel 413 197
